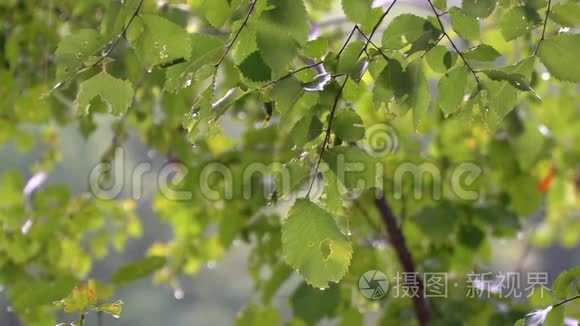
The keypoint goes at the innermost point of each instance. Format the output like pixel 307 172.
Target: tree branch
pixel 292 73
pixel 397 240
pixel 106 52
pixel 544 28
pixel 244 23
pixel 467 64
pixel 378 23
pixel 327 135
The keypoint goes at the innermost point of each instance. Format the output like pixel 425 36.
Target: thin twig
pixel 433 45
pixel 377 24
pixel 467 64
pixel 371 43
pixel 566 301
pixel 544 28
pixel 397 240
pixel 339 93
pixel 119 36
pixel 346 42
pixel 327 135
pixel 244 23
pixel 292 73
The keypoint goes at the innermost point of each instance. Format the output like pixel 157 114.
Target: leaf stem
pixel 467 64
pixel 544 28
pixel 119 36
pixel 371 43
pixel 244 23
pixel 566 301
pixel 377 24
pixel 327 135
pixel 290 74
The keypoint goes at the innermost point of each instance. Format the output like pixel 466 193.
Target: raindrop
pixel 178 294
pixel 545 75
pixel 564 30
pixel 79 55
pixel 156 44
pixel 322 289
pixel 211 264
pixel 195 116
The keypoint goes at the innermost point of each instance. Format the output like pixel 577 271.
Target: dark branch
pixel 244 23
pixel 544 28
pixel 467 64
pixel 397 240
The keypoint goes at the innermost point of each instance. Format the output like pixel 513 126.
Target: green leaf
pixel 138 269
pixel 564 281
pixel 316 48
pixel 519 21
pixel 516 80
pixel 402 89
pixel 253 315
pixel 498 98
pixel 158 40
pixel 559 54
pixel 482 52
pixel 313 244
pixel 206 50
pixel 116 92
pixel 437 222
pixel 566 14
pixel 451 90
pixel 280 274
pixel 217 12
pixel 306 129
pixel 349 62
pixel 478 8
pixel 406 29
pixel 466 26
pixel 470 236
pixel 255 69
pixel 74 50
pixel 281 31
pixel 357 11
pixel 312 305
pixel 440 59
pixel 114 309
pixel 355 169
pixel 440 4
pixel 348 126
